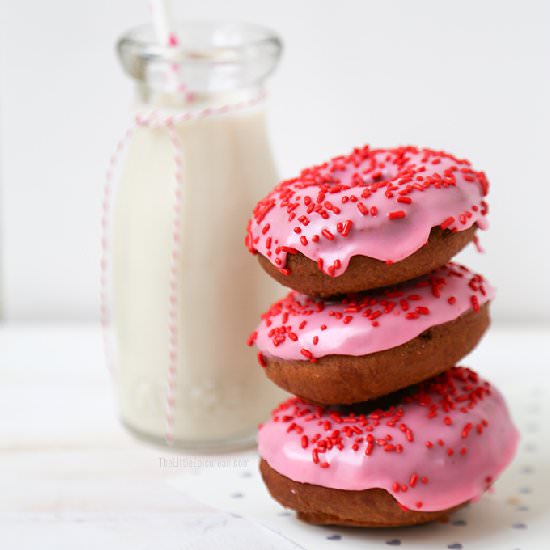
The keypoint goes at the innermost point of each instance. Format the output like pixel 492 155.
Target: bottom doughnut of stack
pixel 408 458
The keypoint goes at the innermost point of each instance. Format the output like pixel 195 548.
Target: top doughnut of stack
pixel 370 219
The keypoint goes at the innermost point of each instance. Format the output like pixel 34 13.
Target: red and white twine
pixel 174 288
pixel 168 121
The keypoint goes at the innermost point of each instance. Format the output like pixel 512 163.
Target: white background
pixel 472 77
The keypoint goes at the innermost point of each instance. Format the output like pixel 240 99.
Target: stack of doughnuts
pixel 383 429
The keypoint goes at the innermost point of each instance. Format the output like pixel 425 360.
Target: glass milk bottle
pixel 185 292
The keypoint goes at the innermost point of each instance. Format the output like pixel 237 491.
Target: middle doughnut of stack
pixel 365 346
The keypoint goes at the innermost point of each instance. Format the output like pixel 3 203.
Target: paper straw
pixel 163 22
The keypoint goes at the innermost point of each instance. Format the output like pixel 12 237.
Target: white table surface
pixel 71 477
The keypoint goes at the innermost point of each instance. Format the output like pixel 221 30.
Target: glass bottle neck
pixel 213 64
pixel 147 96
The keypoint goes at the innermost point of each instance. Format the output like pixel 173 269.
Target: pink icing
pixel 301 327
pixel 438 448
pixel 380 203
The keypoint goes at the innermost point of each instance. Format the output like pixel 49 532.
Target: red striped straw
pixel 164 27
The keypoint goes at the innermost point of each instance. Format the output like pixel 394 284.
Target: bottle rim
pixel 203 44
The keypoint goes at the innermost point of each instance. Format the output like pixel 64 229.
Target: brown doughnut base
pixel 323 506
pixel 365 273
pixel 346 379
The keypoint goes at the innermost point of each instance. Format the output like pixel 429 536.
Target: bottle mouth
pixel 210 55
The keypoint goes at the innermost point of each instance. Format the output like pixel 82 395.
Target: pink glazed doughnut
pixel 434 447
pixel 369 219
pixel 361 347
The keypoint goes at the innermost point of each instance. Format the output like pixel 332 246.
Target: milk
pixel 221 393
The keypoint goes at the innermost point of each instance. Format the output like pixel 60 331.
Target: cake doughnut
pixel 373 218
pixel 412 459
pixel 367 345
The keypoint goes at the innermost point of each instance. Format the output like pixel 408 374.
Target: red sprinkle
pixel 346 228
pixel 252 338
pixel 396 215
pixel 447 222
pixel 362 208
pixel 327 234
